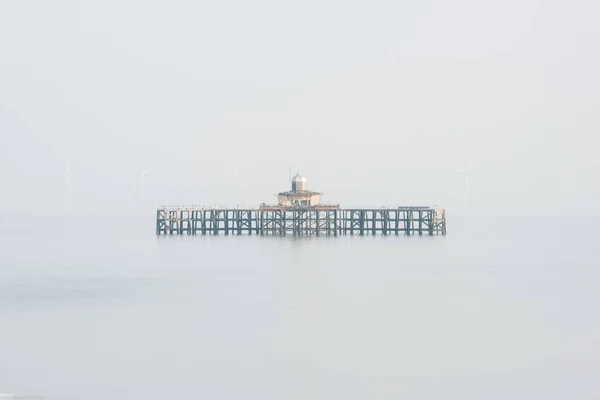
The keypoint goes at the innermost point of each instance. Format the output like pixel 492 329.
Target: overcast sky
pixel 377 103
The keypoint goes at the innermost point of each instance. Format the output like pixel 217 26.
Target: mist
pixel 376 103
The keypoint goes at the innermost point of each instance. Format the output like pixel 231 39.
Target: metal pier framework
pixel 300 221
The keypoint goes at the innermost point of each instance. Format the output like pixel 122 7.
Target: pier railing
pixel 319 220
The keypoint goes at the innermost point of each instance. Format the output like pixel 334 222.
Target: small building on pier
pixel 299 196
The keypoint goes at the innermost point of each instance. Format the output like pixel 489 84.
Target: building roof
pixel 298 193
pixel 299 178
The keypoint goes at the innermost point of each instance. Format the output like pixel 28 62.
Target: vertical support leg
pixel 444 223
pixel 318 220
pixel 216 222
pixel 335 222
pixel 386 218
pixel 158 222
pixel 261 225
pixel 431 221
pixel 249 222
pixel 362 222
pixel 373 222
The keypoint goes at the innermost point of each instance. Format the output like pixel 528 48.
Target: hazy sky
pixel 377 102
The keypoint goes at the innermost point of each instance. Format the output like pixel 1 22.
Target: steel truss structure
pixel 298 221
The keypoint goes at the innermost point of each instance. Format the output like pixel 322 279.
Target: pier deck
pixel 300 221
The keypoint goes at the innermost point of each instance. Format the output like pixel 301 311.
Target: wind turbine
pixel 141 174
pixel 67 177
pixel 466 173
pixel 322 183
pixel 142 182
pixel 182 189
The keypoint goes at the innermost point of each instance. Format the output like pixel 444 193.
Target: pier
pixel 299 212
pixel 271 220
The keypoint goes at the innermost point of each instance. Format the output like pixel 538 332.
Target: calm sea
pixel 99 308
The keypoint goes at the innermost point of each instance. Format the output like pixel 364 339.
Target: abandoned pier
pixel 299 212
